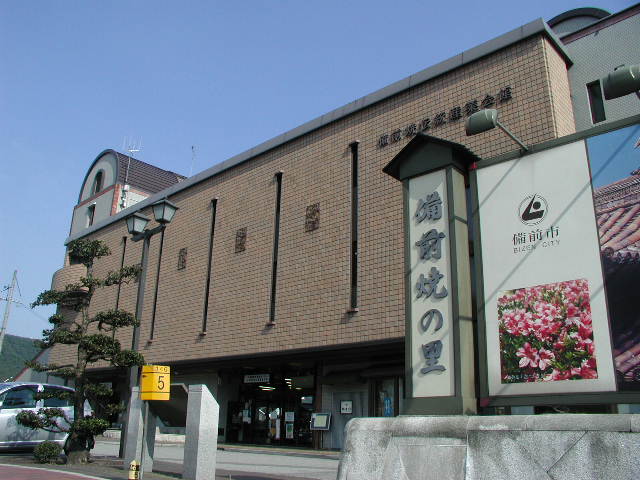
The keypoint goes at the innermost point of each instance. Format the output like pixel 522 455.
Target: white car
pixel 18 396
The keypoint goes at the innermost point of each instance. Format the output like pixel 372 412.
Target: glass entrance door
pixel 276 411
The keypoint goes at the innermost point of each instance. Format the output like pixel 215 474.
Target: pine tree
pixel 95 339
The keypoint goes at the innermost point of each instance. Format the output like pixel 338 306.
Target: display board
pixel 545 312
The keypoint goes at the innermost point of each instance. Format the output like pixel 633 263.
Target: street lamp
pixel 622 81
pixel 163 212
pixel 486 120
pixel 136 223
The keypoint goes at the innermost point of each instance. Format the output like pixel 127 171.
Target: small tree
pixel 95 340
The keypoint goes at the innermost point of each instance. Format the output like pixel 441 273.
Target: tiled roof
pixel 143 176
pixel 618 214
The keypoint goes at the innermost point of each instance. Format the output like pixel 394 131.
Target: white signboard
pixel 346 406
pixel 257 378
pixel 432 356
pixel 546 318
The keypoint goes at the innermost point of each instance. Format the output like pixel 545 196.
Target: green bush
pixel 47 452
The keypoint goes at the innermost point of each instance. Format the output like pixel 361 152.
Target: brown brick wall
pixel 313 273
pixel 67 275
pixel 560 91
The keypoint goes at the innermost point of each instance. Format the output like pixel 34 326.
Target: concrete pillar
pixel 134 447
pixel 201 436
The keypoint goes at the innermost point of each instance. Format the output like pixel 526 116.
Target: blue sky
pixel 613 155
pixel 79 76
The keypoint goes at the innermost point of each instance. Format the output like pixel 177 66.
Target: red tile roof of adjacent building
pixel 618 214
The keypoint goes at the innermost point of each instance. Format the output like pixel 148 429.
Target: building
pixel 280 281
pixel 618 212
pixel 590 36
pixel 114 182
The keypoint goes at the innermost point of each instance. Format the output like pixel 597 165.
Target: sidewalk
pixel 22 467
pixel 99 471
pixel 113 435
pixel 15 472
pixel 268 450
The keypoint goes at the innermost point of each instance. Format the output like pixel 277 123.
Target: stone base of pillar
pixel 476 447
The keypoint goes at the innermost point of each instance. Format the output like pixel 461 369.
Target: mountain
pixel 15 351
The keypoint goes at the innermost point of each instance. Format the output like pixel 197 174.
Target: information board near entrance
pixel 155 383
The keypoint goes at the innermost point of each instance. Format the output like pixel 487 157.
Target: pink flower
pixel 572 310
pixel 528 356
pixel 558 317
pixel 585 318
pixel 571 321
pixel 560 375
pixel 545 331
pixel 517 322
pixel 546 356
pixel 589 369
pixel 585 331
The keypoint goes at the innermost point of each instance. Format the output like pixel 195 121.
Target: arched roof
pixel 140 175
pixel 576 19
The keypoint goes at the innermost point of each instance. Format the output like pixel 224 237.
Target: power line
pixel 26 307
pixel 18 285
pixel 7 308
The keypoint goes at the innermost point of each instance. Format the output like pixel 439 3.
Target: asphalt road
pixel 277 464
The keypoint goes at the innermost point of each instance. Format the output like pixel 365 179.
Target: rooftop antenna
pixel 131 146
pixel 193 159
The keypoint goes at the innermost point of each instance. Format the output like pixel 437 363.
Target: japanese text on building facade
pixel 428 286
pixel 439 119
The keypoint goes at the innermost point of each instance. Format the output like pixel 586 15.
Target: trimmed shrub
pixel 47 452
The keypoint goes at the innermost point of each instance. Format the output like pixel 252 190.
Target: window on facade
pixel 91 211
pixel 596 102
pixel 205 314
pixel 97 183
pixel 354 227
pixel 276 240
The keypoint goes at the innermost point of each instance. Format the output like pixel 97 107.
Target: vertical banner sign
pixel 432 356
pixel 547 330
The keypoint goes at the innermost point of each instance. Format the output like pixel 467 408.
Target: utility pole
pixel 7 308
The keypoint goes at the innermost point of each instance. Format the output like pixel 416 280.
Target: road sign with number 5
pixel 155 383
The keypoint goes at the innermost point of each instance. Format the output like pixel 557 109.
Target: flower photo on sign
pixel 546 333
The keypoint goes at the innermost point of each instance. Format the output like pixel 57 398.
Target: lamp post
pixel 486 120
pixel 624 80
pixel 163 212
